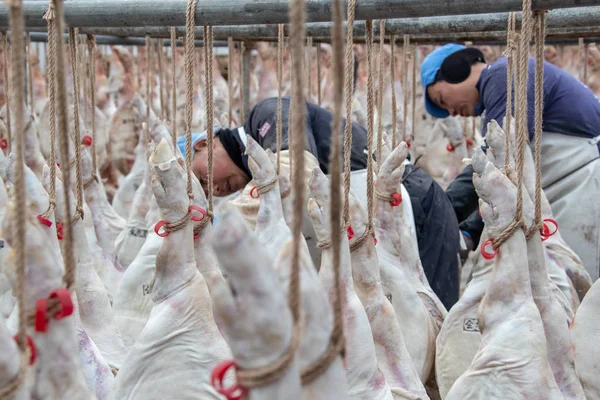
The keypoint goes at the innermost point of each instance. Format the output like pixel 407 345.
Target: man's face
pixel 228 178
pixel 457 98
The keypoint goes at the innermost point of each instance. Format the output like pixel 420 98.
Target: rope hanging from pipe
pixel 280 44
pixel 19 201
pixel 370 203
pixel 540 33
pixel 208 92
pixel 348 95
pixel 7 92
pixel 91 43
pixel 380 94
pixel 173 88
pixel 230 79
pixel 74 47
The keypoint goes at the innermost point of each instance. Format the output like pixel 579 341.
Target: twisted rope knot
pixel 92 179
pixel 265 187
pixel 261 376
pixel 78 214
pixel 50 15
pixel 511 43
pixel 362 238
pixel 507 232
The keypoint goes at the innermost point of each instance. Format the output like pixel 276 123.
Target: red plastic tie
pixel 3 143
pixel 66 303
pixel 479 212
pixel 87 141
pixel 486 254
pixel 408 145
pixel 196 234
pixel 375 240
pixel 350 232
pixel 41 323
pixel 31 346
pixel 450 147
pixel 159 225
pixel 60 232
pixel 44 221
pixel 546 232
pixel 469 143
pixel 254 192
pixel 235 392
pixel 201 210
pixel 397 199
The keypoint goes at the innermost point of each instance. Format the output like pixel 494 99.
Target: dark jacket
pixel 261 124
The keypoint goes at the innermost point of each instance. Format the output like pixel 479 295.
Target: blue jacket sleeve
pixel 494 97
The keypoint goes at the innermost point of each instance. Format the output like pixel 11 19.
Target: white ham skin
pixel 7 300
pixel 10 364
pixel 180 344
pixel 132 304
pixel 415 307
pixel 123 199
pixel 459 337
pixel 94 306
pixel 512 361
pixel 251 308
pixel 107 223
pixel 584 334
pixel 132 238
pixel 365 379
pixel 58 366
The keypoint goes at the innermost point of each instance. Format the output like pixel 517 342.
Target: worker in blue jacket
pixel 458 81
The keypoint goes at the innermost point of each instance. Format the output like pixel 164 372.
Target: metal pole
pixel 561 18
pixel 128 13
pixel 124 41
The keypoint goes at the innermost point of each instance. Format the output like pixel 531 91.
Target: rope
pixel 521 116
pixel 380 94
pixel 16 25
pixel 230 77
pixel 319 73
pixel 369 39
pixel 146 137
pixel 291 113
pixel 540 35
pixel 241 62
pixel 189 80
pixel 91 43
pixel 413 94
pixel 406 56
pixel 63 138
pixel 174 88
pixel 511 46
pixel 309 69
pixel 337 340
pixel 50 17
pixel 354 245
pixel 279 94
pixel 161 84
pixel 85 77
pixel 208 71
pixel 393 83
pixel 349 90
pixel 7 91
pixel 29 73
pixel 73 32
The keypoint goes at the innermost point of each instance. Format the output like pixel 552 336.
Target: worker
pixel 434 218
pixel 458 81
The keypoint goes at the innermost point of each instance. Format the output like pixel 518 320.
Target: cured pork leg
pixel 512 361
pixel 251 307
pixel 180 344
pixel 365 379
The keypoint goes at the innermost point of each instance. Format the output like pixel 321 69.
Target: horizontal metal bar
pixel 131 13
pixel 124 41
